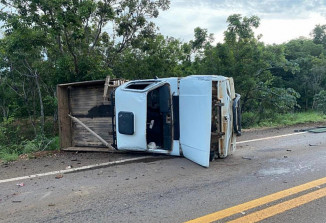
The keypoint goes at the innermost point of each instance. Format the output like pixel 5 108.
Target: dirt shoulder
pixel 60 160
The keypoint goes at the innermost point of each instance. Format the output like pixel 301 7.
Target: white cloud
pixel 181 22
pixel 283 30
pixel 281 20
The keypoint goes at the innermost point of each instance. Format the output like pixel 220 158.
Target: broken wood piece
pixel 59 176
pixel 106 87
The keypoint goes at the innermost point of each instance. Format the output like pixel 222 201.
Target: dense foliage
pixel 46 43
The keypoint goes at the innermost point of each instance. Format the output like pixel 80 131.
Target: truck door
pixel 225 95
pixel 195 118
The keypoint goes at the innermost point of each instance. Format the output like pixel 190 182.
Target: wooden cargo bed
pixel 87 102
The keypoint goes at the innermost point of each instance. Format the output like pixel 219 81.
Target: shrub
pixel 40 143
pixel 8 153
pixel 8 131
pixel 249 119
pixel 320 101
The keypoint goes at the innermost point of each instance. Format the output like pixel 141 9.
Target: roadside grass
pixel 17 137
pixel 12 152
pixel 279 120
pixel 7 156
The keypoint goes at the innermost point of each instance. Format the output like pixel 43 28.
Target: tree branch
pixel 71 52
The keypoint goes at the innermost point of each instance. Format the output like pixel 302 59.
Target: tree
pixel 252 65
pixel 155 57
pixel 74 40
pixel 309 77
pixel 52 42
pixel 201 40
pixel 319 35
pixel 21 61
pixel 320 101
pixel 240 29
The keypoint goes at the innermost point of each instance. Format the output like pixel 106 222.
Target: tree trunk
pixel 4 112
pixel 28 111
pixel 41 102
pixel 55 116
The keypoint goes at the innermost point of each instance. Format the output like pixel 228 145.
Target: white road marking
pixel 120 161
pixel 45 195
pixel 74 169
pixel 272 137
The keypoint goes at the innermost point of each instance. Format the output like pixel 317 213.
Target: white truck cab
pixel 195 116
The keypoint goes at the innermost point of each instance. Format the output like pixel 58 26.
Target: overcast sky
pixel 281 20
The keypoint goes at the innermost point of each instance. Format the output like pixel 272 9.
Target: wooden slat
pixel 83 99
pixel 106 87
pixel 113 82
pixel 89 149
pixel 64 120
pixel 101 126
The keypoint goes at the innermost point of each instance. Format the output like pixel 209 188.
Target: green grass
pixel 11 152
pixel 280 120
pixel 17 137
pixel 8 157
pixel 8 154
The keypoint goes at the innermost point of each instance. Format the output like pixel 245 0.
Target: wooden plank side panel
pixel 64 120
pixel 84 100
pixel 100 125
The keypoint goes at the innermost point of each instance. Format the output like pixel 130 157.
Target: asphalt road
pixel 273 180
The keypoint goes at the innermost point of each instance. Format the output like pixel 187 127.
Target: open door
pixel 195 118
pixel 226 95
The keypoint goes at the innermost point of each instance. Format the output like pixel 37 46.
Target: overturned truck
pixel 196 116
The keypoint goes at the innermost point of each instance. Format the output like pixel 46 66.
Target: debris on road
pixel 16 201
pixel 312 145
pixel 20 184
pixel 59 176
pixel 246 158
pixel 320 129
pixel 51 205
pixel 68 167
pixel 289 150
